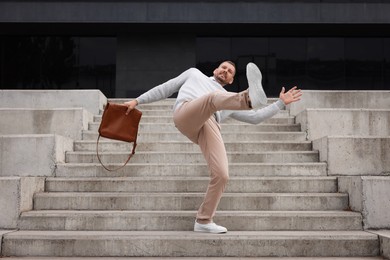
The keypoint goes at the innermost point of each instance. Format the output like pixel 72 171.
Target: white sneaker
pixel 256 92
pixel 209 228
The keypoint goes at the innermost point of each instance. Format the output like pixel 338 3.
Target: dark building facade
pixel 127 47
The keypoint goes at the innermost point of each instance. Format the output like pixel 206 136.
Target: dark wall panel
pixel 145 61
pixel 324 63
pixel 270 12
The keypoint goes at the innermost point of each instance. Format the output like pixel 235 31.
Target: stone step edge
pixel 190 152
pixel 198 164
pixel 224 133
pixel 99 235
pixel 236 184
pixel 165 100
pixel 187 178
pixel 221 213
pixel 151 108
pixel 189 243
pixel 188 142
pixel 191 258
pixel 222 124
pixel 282 116
pixel 187 194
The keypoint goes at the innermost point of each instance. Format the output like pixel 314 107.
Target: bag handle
pixel 111 170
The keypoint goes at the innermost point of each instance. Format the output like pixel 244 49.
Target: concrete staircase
pixel 279 200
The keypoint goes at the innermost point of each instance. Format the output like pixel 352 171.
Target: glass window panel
pixel 245 50
pixel 325 63
pixel 364 63
pixel 243 47
pixel 210 52
pixel 386 49
pixel 96 64
pixel 58 63
pixel 288 59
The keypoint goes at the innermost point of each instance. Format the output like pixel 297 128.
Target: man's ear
pixel 231 81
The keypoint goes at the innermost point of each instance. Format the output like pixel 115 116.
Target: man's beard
pixel 221 79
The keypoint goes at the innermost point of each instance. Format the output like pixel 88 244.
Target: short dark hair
pixel 230 62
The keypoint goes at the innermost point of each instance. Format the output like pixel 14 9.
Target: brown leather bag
pixel 117 125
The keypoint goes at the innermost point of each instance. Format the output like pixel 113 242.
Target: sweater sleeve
pixel 256 116
pixel 164 90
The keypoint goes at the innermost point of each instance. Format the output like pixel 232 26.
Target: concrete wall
pixel 92 100
pixel 66 122
pixel 2 233
pixel 145 61
pixel 16 196
pixel 351 131
pixel 37 128
pixel 371 196
pixel 194 12
pixel 349 155
pixel 359 122
pixel 363 166
pixel 32 155
pixel 384 239
pixel 341 99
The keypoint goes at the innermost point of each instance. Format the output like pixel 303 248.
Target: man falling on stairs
pixel 202 103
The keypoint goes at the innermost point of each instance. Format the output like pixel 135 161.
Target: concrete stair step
pixel 169 112
pixel 187 146
pixel 196 258
pixel 166 102
pixel 188 243
pixel 277 119
pixel 184 220
pixel 191 184
pixel 169 102
pixel 228 137
pixel 193 157
pixel 167 127
pixel 187 201
pixel 154 106
pixel 157 112
pixel 190 170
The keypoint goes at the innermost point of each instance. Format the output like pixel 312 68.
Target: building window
pixel 322 63
pixel 58 63
pixel 364 61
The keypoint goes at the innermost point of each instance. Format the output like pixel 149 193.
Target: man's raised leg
pixel 190 117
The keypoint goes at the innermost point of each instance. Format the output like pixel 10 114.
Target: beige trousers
pixel 195 119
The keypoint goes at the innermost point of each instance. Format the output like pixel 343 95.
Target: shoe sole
pixel 256 91
pixel 206 231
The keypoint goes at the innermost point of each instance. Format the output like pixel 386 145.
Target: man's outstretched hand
pixel 290 96
pixel 131 105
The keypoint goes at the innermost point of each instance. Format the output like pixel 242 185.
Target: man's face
pixel 224 74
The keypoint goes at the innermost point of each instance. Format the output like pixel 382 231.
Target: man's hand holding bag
pixel 117 125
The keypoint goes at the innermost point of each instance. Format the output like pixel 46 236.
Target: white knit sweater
pixel 192 84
